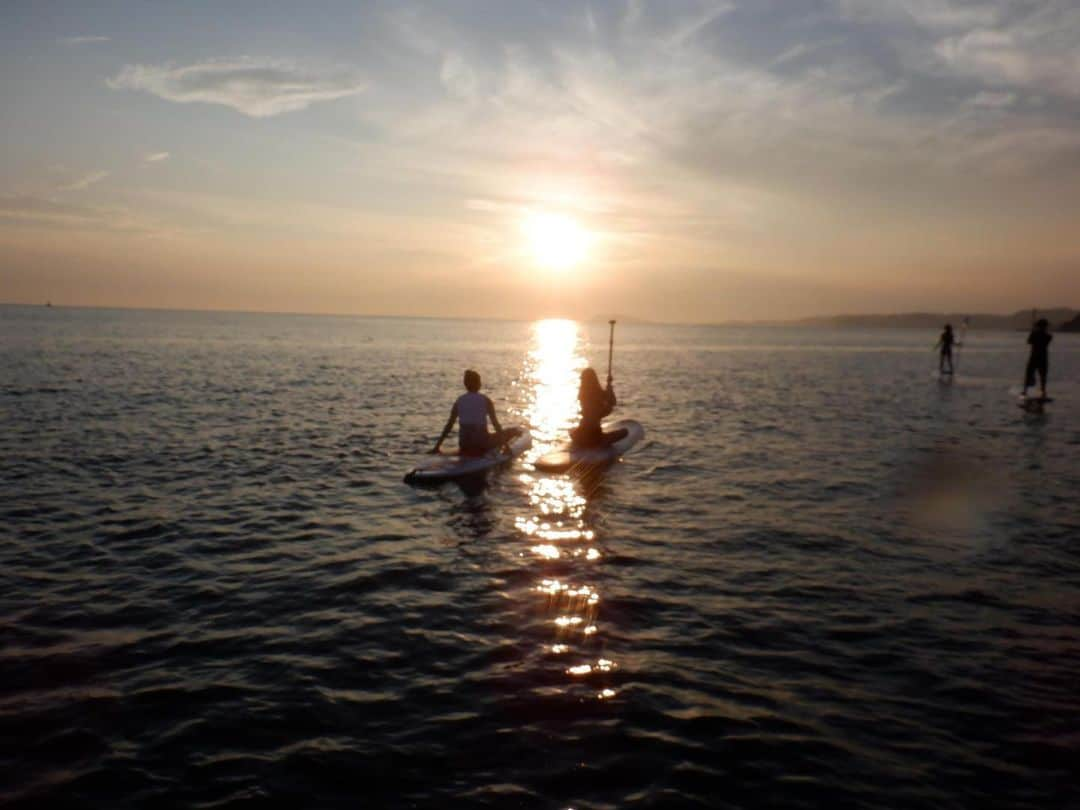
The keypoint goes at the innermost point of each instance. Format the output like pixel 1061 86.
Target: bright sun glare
pixel 555 241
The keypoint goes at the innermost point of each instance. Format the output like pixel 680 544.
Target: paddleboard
pixel 450 466
pixel 571 457
pixel 1032 403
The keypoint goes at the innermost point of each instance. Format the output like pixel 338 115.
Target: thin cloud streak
pixel 85 181
pixel 256 89
pixel 84 40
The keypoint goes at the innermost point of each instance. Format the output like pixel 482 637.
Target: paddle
pixel 610 349
pixel 960 342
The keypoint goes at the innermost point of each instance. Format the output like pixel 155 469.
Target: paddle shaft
pixel 960 343
pixel 610 348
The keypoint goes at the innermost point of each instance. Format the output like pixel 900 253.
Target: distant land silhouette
pixel 1019 320
pixel 1064 319
pixel 618 318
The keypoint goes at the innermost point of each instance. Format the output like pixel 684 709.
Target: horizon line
pixel 627 318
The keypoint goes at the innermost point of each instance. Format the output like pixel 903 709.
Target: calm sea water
pixel 824 579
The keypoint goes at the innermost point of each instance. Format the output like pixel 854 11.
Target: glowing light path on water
pixel 557 532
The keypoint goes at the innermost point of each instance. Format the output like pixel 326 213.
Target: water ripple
pixel 816 583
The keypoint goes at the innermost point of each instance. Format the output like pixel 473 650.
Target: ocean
pixel 825 578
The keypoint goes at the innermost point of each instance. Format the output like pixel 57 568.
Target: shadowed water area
pixel 824 578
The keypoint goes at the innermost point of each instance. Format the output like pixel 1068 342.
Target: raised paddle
pixel 610 349
pixel 960 343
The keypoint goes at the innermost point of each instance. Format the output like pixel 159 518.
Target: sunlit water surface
pixel 824 579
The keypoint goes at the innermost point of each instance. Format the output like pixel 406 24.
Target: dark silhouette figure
pixel 1038 361
pixel 596 403
pixel 946 342
pixel 472 410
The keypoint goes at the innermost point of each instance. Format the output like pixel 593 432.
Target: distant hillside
pixel 935 320
pixel 618 318
pixel 1071 326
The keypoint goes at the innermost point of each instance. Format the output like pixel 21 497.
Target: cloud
pixel 30 210
pixel 987 98
pixel 155 157
pixel 934 15
pixel 691 27
pixel 257 89
pixel 1037 52
pixel 807 114
pixel 82 40
pixel 85 181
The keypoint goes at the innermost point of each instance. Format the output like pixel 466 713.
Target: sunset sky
pixel 681 161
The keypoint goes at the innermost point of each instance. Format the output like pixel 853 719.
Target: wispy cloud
pixel 257 89
pixel 934 15
pixel 155 157
pixel 85 181
pixel 1036 52
pixel 44 212
pixel 988 98
pixel 85 40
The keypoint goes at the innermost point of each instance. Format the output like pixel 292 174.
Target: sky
pixel 694 161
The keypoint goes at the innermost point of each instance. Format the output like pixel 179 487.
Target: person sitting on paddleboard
pixel 472 410
pixel 1039 360
pixel 946 342
pixel 596 403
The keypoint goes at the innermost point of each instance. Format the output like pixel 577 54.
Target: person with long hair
pixel 596 403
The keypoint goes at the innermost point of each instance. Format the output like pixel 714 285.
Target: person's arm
pixel 491 415
pixel 446 430
pixel 609 399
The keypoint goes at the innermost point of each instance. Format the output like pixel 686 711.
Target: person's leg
pixel 503 437
pixel 614 436
pixel 472 440
pixel 1029 376
pixel 587 436
pixel 1043 367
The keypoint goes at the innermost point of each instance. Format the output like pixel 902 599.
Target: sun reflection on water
pixel 552 369
pixel 557 531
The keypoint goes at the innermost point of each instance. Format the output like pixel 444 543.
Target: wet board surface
pixel 450 466
pixel 570 457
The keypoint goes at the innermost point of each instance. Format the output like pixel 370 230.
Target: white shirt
pixel 472 410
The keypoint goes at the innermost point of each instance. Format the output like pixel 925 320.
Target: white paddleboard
pixel 571 457
pixel 450 466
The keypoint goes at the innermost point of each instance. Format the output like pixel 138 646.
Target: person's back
pixel 1039 339
pixel 472 409
pixel 1039 361
pixel 946 343
pixel 596 403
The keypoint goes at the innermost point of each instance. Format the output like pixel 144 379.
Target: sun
pixel 555 241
